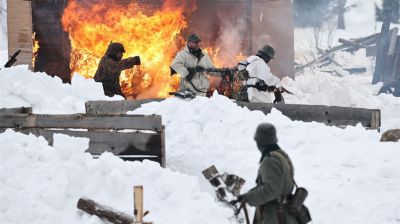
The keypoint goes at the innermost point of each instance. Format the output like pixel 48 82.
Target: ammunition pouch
pixel 296 207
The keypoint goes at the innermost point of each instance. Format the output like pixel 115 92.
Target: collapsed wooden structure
pixel 330 115
pixel 384 46
pixel 130 137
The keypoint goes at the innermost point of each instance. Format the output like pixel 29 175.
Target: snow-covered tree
pixel 312 13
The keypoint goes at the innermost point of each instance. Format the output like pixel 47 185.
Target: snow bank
pixel 21 87
pixel 354 180
pixel 41 184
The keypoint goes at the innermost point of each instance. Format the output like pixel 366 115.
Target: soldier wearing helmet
pixel 275 180
pixel 260 82
pixel 110 67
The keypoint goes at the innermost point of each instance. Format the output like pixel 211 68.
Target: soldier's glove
pixel 136 60
pixel 261 86
pixel 192 72
pixel 240 199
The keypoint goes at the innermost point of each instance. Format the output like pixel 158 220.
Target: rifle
pixel 224 71
pixel 12 59
pixel 278 94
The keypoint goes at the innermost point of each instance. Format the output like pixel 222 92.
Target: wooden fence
pixel 131 137
pixel 330 115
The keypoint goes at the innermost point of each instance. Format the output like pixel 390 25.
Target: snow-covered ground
pixel 351 176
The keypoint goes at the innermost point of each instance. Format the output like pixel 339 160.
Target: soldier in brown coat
pixel 110 67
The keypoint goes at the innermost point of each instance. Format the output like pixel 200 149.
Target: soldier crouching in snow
pixel 110 67
pixel 260 83
pixel 186 63
pixel 275 180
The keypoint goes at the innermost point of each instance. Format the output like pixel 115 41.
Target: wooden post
pixel 138 211
pixel 383 48
pixel 138 204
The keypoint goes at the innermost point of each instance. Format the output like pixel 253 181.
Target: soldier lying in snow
pixel 110 67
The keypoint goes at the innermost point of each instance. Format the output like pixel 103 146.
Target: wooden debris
pixel 19 110
pixel 338 116
pixel 104 212
pixel 130 137
pixel 349 45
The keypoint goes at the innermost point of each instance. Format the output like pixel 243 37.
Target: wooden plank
pixel 104 212
pixel 138 204
pixel 376 119
pixel 119 143
pixel 116 107
pixel 382 47
pixel 163 154
pixel 390 58
pixel 349 42
pixel 19 110
pixel 331 115
pixel 137 122
pixel 339 116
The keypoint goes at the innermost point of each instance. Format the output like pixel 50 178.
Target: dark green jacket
pixel 275 179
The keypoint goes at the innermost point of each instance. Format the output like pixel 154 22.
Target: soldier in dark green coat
pixel 110 67
pixel 274 181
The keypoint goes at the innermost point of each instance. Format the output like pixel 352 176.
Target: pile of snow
pixel 41 184
pixel 46 94
pixel 355 180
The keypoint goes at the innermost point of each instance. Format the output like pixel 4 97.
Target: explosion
pixel 153 37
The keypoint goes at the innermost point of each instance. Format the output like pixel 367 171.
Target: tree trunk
pixel 341 10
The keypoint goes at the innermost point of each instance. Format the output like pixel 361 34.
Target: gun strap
pixel 195 88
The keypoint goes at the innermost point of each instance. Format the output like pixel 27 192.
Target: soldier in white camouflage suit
pixel 261 83
pixel 185 64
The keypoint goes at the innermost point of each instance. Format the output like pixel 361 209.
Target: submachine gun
pixel 12 59
pixel 228 75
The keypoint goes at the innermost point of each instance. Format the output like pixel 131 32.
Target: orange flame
pixel 153 37
pixel 35 49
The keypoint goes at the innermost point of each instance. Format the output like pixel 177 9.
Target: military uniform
pixel 110 68
pixel 260 73
pixel 275 179
pixel 185 59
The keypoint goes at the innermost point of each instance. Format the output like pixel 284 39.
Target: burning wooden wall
pixel 229 28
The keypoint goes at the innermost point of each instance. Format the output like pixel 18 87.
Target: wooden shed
pixel 264 25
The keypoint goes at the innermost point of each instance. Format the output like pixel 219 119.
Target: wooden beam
pixel 330 115
pixel 349 42
pixel 382 47
pixel 82 121
pixel 19 110
pixel 104 212
pixel 116 107
pixel 138 204
pixel 118 143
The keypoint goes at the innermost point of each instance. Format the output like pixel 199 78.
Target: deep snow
pixel 351 176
